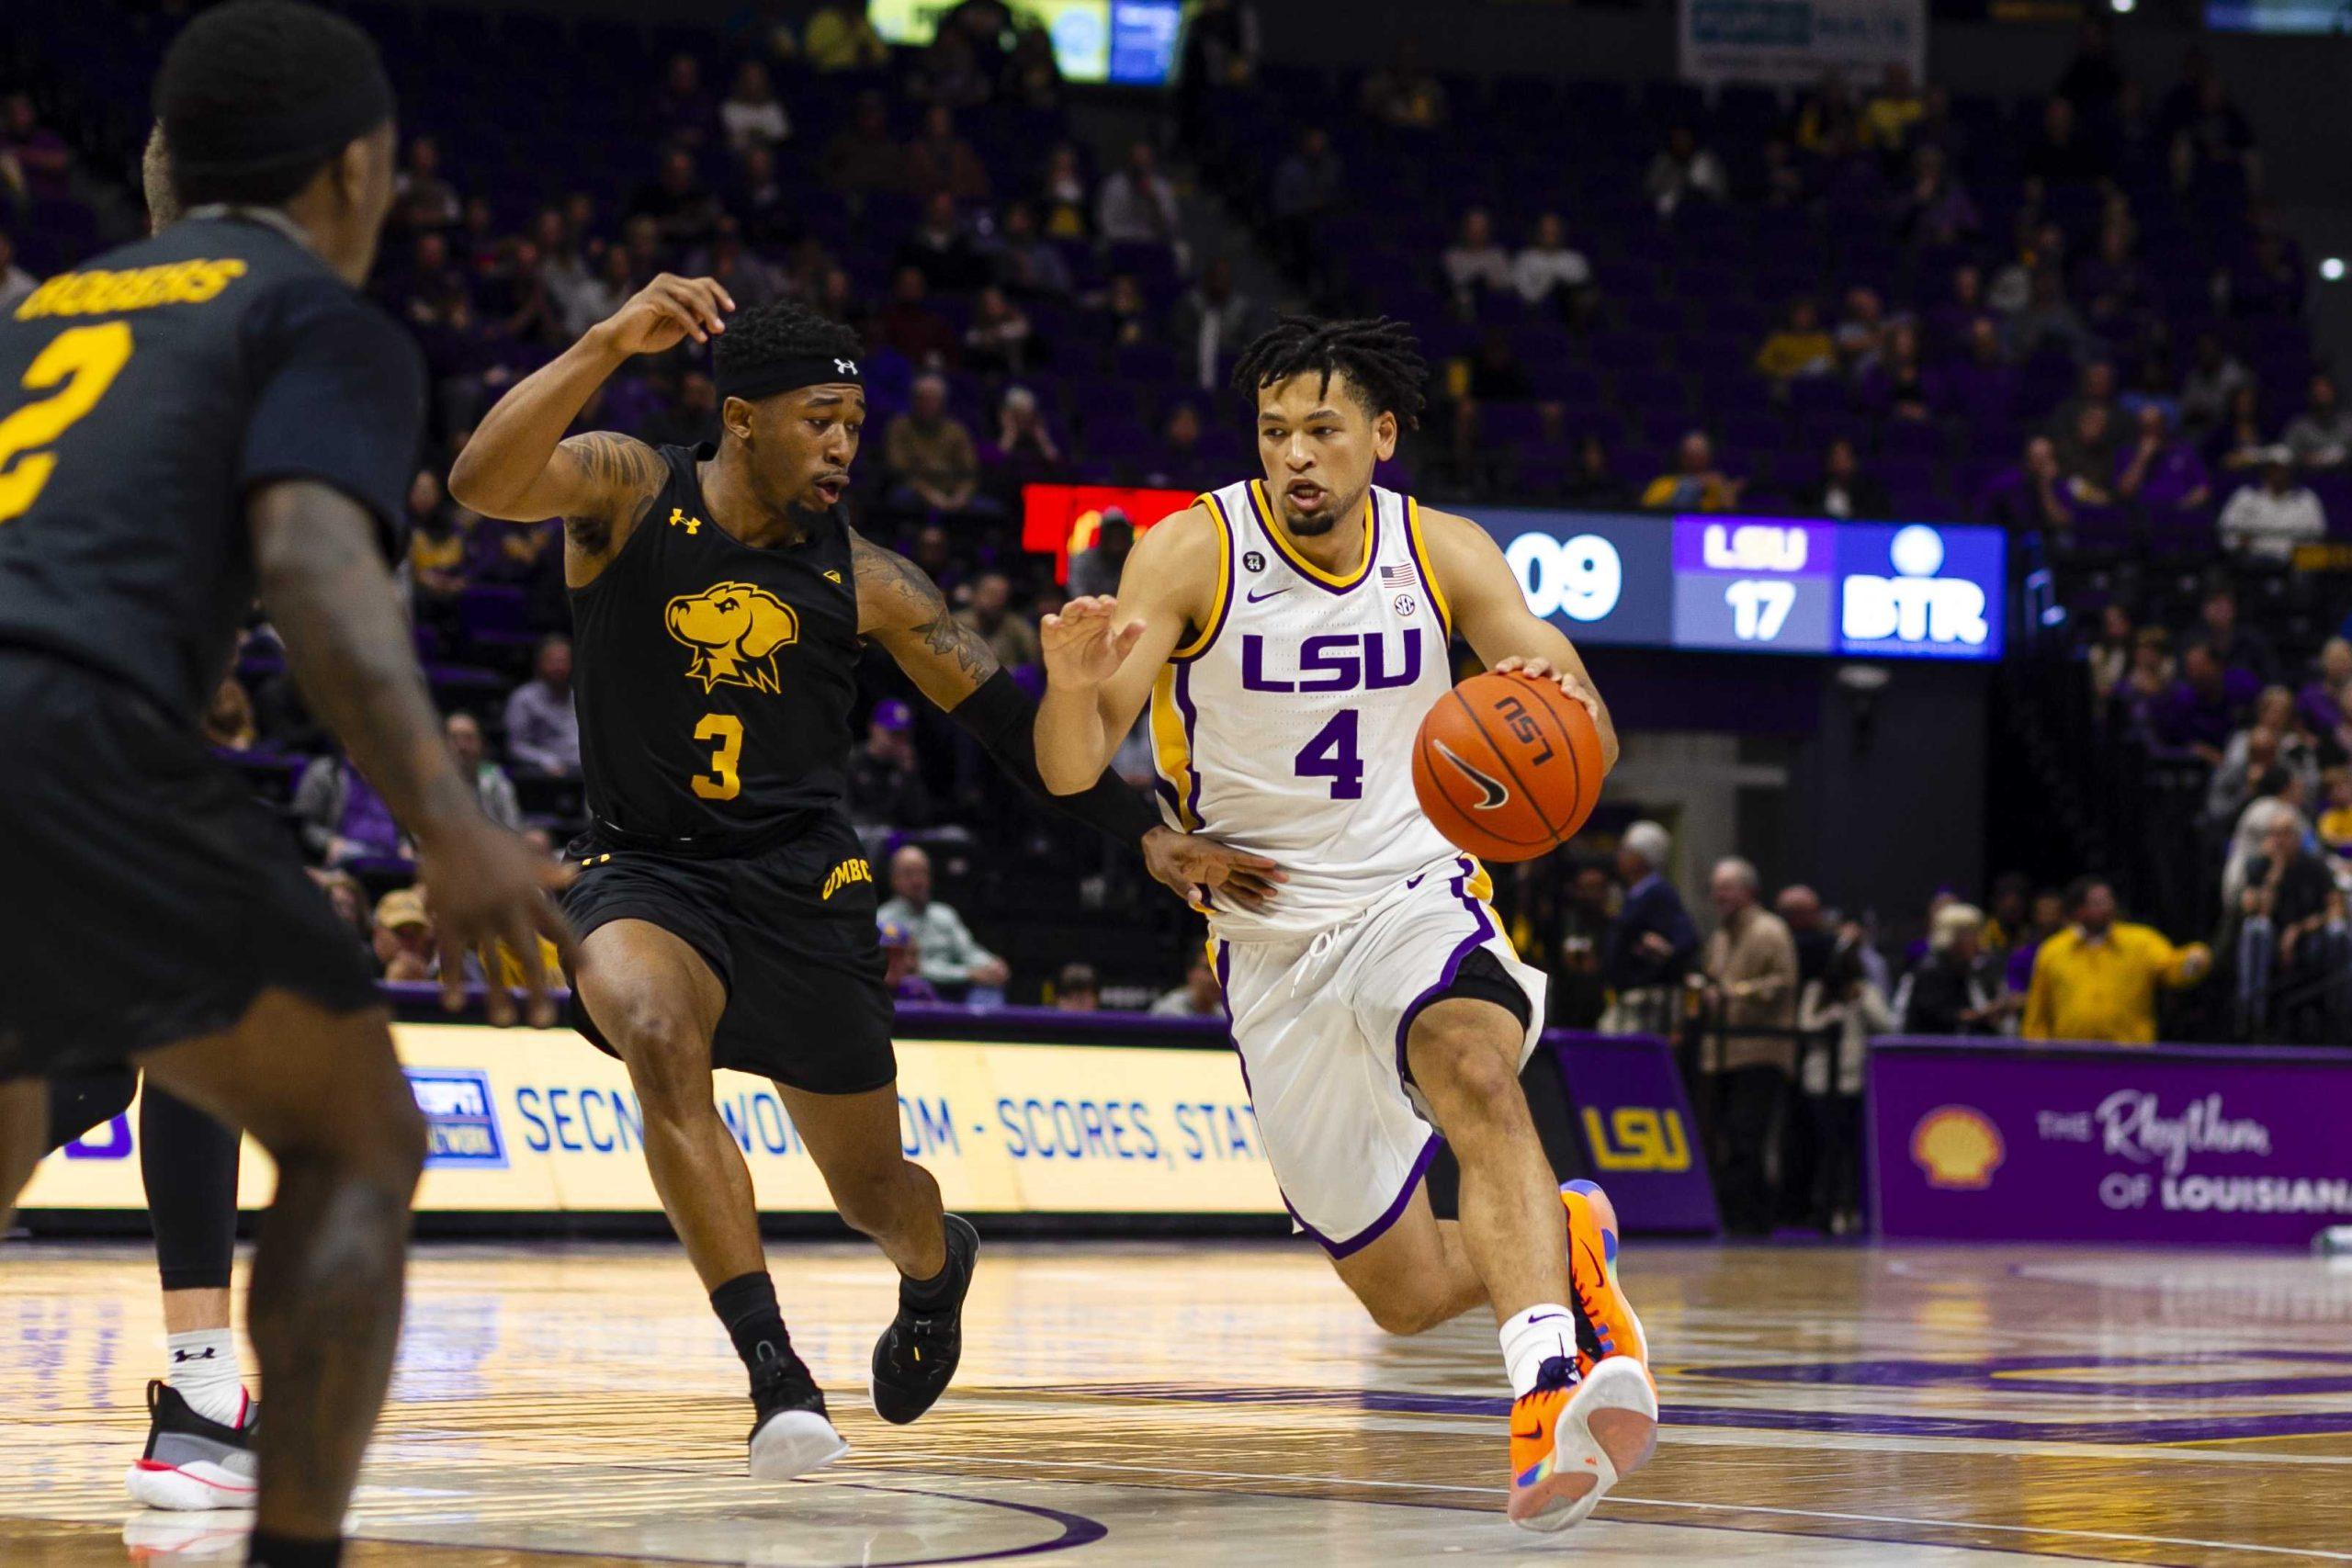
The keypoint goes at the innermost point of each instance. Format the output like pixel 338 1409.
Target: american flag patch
pixel 1396 577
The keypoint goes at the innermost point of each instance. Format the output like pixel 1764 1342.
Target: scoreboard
pixel 1761 585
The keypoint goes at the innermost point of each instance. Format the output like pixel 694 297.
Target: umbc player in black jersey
pixel 200 1420
pixel 189 421
pixel 724 904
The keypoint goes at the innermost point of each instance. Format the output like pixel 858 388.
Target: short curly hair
pixel 1382 360
pixel 785 330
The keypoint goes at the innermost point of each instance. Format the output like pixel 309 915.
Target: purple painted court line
pixel 2212 1428
pixel 1998 1373
pixel 1077 1528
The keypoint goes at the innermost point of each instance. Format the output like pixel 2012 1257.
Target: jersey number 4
pixel 86 359
pixel 1332 754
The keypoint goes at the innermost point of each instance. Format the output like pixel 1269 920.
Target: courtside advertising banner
pixel 539 1121
pixel 1793 42
pixel 1641 1141
pixel 2195 1145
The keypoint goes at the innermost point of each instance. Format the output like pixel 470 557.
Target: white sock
pixel 1534 1337
pixel 204 1373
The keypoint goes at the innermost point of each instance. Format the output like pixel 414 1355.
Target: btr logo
pixel 1916 605
pixel 1335 661
pixel 461 1122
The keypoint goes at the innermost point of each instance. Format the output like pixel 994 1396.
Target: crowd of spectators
pixel 1772 995
pixel 2092 283
pixel 2078 317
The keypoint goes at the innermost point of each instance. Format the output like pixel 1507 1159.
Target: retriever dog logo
pixel 734 629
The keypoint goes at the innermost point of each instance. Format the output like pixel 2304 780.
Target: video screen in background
pixel 1124 43
pixel 2278 16
pixel 1761 585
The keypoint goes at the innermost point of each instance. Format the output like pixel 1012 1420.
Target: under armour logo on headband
pixel 846 366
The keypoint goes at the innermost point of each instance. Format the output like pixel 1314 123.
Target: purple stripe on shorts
pixel 1461 950
pixel 1388 1217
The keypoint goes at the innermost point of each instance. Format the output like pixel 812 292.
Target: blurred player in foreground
pixel 206 415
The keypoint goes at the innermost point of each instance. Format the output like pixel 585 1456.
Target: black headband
pixel 752 382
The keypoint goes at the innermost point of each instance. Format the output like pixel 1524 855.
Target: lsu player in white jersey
pixel 1289 633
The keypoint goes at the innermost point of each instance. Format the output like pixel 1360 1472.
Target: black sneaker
pixel 793 1435
pixel 917 1354
pixel 192 1462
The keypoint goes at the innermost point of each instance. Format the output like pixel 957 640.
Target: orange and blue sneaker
pixel 1589 1421
pixel 1606 1325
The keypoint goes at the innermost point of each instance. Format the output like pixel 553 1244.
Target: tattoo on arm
pixel 900 605
pixel 623 476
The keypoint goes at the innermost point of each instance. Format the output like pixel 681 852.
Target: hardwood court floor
pixel 1226 1404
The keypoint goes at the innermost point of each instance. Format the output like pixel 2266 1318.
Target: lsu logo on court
pixel 845 874
pixel 1957 1147
pixel 734 629
pixel 1637 1137
pixel 460 1122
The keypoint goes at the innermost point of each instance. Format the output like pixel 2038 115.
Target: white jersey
pixel 1285 725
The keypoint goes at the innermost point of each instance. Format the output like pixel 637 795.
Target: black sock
pixel 266 1551
pixel 746 1304
pixel 943 1290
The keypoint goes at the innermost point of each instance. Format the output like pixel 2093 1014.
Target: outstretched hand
pixel 1193 867
pixel 1085 643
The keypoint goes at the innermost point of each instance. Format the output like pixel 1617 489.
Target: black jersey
pixel 142 396
pixel 714 680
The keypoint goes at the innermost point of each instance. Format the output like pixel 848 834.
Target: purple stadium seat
pixel 1511 426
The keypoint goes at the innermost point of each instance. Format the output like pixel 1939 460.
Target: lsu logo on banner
pixel 460 1122
pixel 1957 1147
pixel 1637 1137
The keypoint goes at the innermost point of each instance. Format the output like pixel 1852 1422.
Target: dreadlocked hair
pixel 1381 358
pixel 785 330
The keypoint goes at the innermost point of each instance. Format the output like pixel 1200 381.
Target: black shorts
pixel 789 932
pixel 147 897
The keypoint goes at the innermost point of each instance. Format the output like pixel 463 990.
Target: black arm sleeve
pixel 1000 717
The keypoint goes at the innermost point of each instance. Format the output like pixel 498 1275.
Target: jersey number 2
pixel 1332 755
pixel 86 359
pixel 723 783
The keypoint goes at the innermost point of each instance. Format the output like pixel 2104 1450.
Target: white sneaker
pixel 191 1461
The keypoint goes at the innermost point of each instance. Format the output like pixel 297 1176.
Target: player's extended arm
pixel 900 607
pixel 518 464
pixel 1490 614
pixel 324 583
pixel 1103 655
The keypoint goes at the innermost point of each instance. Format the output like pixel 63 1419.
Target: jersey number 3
pixel 723 783
pixel 86 359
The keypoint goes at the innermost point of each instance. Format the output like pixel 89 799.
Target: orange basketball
pixel 1508 767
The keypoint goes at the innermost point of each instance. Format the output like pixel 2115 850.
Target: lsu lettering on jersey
pixel 1285 725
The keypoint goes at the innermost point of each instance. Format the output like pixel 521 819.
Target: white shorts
pixel 1320 1022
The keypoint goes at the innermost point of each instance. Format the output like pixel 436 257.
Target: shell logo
pixel 1959 1148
